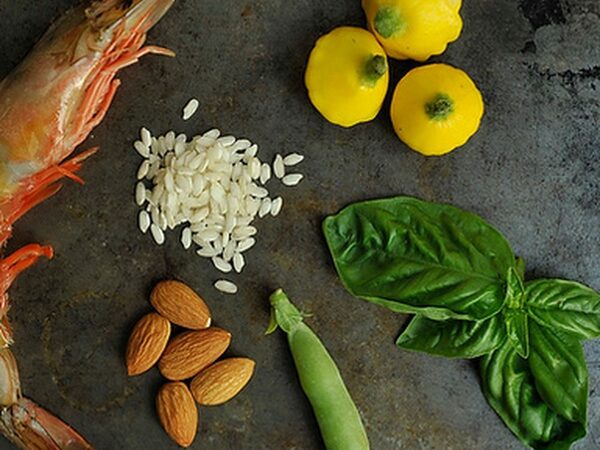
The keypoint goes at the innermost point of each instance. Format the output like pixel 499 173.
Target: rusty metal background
pixel 533 170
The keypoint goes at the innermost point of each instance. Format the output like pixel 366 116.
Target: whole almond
pixel 177 413
pixel 181 305
pixel 222 381
pixel 190 352
pixel 146 343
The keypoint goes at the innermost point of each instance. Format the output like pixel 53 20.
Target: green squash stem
pixel 440 108
pixel 374 69
pixel 388 22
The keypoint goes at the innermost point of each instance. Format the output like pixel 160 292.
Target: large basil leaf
pixel 418 257
pixel 564 305
pixel 517 330
pixel 558 366
pixel 509 388
pixel 453 338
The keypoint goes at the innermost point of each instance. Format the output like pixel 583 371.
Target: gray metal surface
pixel 532 170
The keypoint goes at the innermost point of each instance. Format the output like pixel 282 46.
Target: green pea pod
pixel 339 421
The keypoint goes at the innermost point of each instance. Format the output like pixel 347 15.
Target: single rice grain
pixel 186 238
pixel 238 262
pixel 241 144
pixel 265 207
pixel 255 168
pixel 157 234
pixel 142 149
pixel 226 141
pixel 227 287
pixel 225 238
pixel 140 194
pixel 143 170
pixel 144 221
pixel 278 167
pixel 251 151
pixel 212 134
pixel 170 140
pixel 292 179
pixel 245 245
pixel 229 250
pixel 207 252
pixel 276 207
pixel 209 235
pixel 257 191
pixel 293 159
pixel 146 136
pixel 221 264
pixel 265 173
pixel 190 109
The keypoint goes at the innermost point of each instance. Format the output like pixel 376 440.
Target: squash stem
pixel 374 69
pixel 440 107
pixel 388 22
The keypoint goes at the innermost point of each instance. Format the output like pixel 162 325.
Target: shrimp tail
pixel 29 426
pixel 22 421
pixel 26 424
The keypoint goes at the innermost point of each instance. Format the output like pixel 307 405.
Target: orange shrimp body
pixel 60 92
pixel 48 106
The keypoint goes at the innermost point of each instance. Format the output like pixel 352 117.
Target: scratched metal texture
pixel 533 170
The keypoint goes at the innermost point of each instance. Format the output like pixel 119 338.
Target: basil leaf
pixel 509 388
pixel 558 366
pixel 453 338
pixel 517 330
pixel 520 267
pixel 418 257
pixel 564 305
pixel 514 289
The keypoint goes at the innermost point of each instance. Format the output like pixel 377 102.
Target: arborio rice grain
pixel 212 185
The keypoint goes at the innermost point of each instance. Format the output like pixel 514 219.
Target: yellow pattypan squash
pixel 414 29
pixel 347 76
pixel 436 108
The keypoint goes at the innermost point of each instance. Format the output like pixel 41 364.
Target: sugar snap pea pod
pixel 339 421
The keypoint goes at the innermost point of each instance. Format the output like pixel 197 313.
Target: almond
pixel 222 381
pixel 177 413
pixel 190 352
pixel 181 305
pixel 146 343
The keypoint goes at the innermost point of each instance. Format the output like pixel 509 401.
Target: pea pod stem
pixel 339 421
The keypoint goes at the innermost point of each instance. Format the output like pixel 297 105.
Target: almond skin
pixel 181 305
pixel 147 343
pixel 190 352
pixel 222 381
pixel 177 413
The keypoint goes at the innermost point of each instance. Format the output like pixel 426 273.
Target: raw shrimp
pixel 48 106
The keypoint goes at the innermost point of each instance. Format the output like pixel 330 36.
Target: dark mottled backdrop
pixel 532 170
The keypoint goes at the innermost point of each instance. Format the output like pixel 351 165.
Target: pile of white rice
pixel 211 186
